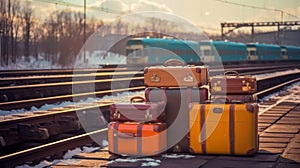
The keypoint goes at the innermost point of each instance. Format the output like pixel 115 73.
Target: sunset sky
pixel 206 14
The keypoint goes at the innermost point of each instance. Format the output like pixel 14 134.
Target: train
pixel 158 50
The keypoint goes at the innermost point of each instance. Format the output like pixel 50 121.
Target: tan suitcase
pixel 176 76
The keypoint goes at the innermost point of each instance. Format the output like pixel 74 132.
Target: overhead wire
pixel 257 7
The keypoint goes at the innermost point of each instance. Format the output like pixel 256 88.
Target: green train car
pixel 157 51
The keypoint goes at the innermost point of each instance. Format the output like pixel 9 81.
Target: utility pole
pixel 84 30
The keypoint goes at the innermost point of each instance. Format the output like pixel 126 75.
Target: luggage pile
pixel 227 124
pixel 176 114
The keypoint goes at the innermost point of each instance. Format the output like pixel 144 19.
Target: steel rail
pixel 39 152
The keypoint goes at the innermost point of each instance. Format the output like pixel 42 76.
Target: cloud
pixel 129 6
pixel 146 5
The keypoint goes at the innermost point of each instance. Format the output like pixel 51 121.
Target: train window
pixel 251 52
pixel 206 52
pixel 134 52
pixel 129 52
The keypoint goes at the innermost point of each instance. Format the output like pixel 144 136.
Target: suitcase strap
pixel 139 139
pixel 203 128
pixel 231 128
pixel 115 138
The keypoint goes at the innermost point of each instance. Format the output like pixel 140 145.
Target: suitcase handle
pixel 235 73
pixel 222 100
pixel 136 99
pixel 126 135
pixel 174 62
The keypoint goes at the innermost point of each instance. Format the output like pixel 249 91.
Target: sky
pixel 206 14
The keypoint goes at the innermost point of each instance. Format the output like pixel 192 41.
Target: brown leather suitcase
pixel 233 84
pixel 247 98
pixel 137 139
pixel 142 111
pixel 224 128
pixel 175 76
pixel 177 112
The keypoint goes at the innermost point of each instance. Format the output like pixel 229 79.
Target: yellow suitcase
pixel 224 129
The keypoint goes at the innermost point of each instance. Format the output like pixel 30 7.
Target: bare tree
pixel 27 18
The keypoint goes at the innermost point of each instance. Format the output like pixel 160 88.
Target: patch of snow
pixel 104 143
pixel 71 153
pixel 150 164
pixel 176 156
pixel 89 149
pixel 278 92
pixel 146 161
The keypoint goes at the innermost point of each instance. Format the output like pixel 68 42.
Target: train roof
pixel 263 45
pixel 291 47
pixel 228 43
pixel 150 41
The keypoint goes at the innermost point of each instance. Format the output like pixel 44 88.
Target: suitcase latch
pixel 188 78
pixel 217 86
pixel 116 114
pixel 218 110
pixel 246 86
pixel 155 78
pixel 148 115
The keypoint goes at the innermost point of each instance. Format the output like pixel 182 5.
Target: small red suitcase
pixel 140 112
pixel 137 139
pixel 235 84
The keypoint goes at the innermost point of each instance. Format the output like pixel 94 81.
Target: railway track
pixel 15 89
pixel 68 118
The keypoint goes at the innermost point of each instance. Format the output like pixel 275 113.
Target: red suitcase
pixel 137 139
pixel 177 112
pixel 235 84
pixel 175 76
pixel 140 112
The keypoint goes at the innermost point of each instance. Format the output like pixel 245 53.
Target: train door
pixel 136 54
pixel 252 54
pixel 284 55
pixel 207 53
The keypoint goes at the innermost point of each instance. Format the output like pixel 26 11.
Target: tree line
pixel 59 36
pixel 23 34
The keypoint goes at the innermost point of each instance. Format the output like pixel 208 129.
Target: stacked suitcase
pixel 228 123
pixel 178 85
pixel 233 88
pixel 177 116
pixel 137 129
pixel 161 121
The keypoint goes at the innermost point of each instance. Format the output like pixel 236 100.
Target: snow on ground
pixel 146 161
pixel 177 156
pixel 94 59
pixel 118 97
pixel 267 75
pixel 278 92
pixel 31 63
